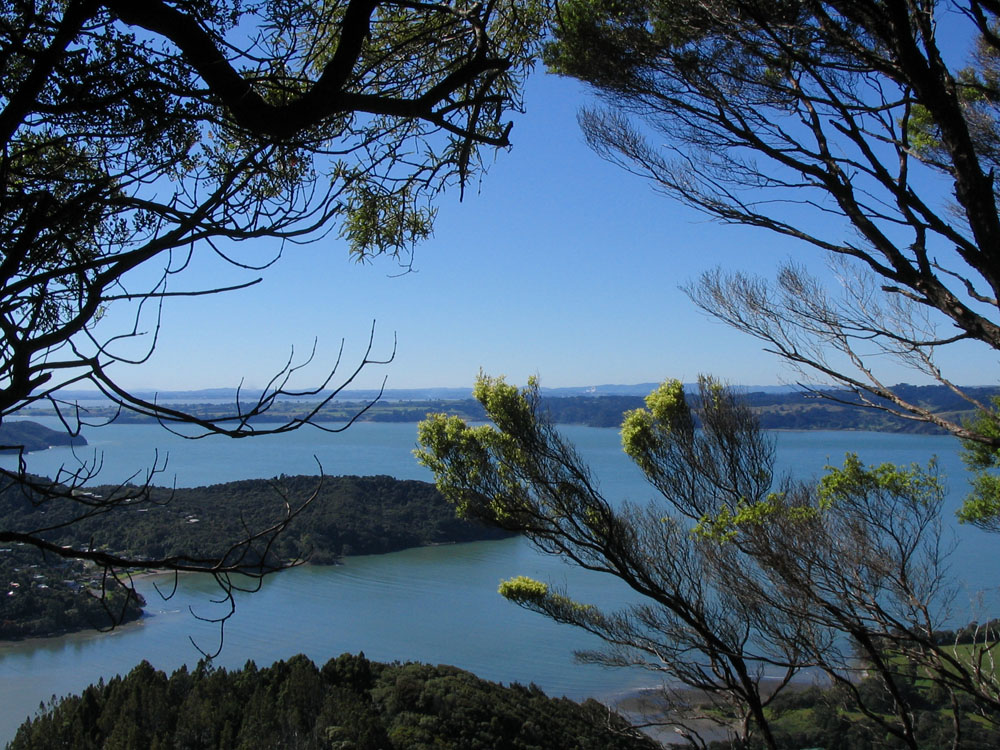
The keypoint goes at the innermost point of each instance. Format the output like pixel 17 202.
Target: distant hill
pixel 31 436
pixel 350 515
pixel 841 410
pixel 779 407
pixel 794 410
pixel 228 395
pixel 643 389
pixel 248 395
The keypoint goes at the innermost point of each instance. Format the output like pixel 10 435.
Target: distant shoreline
pixel 147 574
pixel 779 411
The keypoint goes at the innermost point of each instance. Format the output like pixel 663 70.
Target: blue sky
pixel 559 265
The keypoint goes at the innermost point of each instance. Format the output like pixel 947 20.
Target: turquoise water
pixel 434 604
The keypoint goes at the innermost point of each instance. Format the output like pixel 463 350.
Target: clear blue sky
pixel 560 265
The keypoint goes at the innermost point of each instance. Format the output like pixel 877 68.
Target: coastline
pixel 148 574
pixel 646 709
pixel 668 724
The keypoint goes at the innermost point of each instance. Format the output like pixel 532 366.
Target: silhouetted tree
pixel 141 135
pixel 845 125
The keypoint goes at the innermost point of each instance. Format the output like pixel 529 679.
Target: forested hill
pixel 349 516
pixel 31 436
pixel 351 703
pixel 809 411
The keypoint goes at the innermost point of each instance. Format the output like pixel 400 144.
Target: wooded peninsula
pixel 349 515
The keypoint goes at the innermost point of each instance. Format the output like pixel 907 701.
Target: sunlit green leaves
pixel 982 505
pixel 487 470
pixel 523 589
pixel 726 525
pixel 666 411
pixel 391 221
pixel 734 572
pixel 917 484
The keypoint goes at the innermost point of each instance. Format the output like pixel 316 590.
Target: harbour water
pixel 435 604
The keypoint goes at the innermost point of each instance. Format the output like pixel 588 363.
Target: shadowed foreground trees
pixel 743 580
pixel 865 129
pixel 349 703
pixel 139 137
pixel 45 595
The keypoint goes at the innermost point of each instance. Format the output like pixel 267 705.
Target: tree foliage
pixel 45 597
pixel 139 137
pixel 142 131
pixel 349 703
pixel 742 579
pixel 866 129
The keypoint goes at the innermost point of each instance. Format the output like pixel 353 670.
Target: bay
pixel 435 604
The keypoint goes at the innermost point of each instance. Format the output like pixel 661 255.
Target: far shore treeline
pixel 776 409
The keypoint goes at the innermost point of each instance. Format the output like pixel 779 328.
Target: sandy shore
pixel 671 711
pixel 665 716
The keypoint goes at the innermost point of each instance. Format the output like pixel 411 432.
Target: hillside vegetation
pixel 349 516
pixel 30 436
pixel 349 704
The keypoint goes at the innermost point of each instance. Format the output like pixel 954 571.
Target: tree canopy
pixel 154 130
pixel 855 129
pixel 865 129
pixel 350 702
pixel 743 579
pixel 136 136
